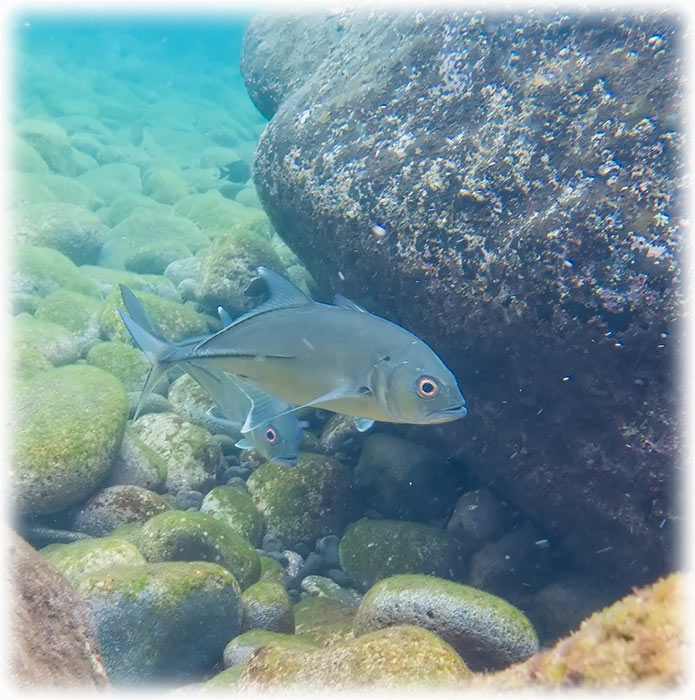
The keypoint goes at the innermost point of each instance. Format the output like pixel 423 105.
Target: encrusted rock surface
pixel 508 187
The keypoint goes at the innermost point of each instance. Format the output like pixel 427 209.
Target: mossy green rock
pixel 303 503
pixel 113 180
pixel 40 271
pixel 224 681
pixel 235 508
pixel 27 363
pixel 76 312
pixel 267 606
pixel 192 403
pixel 26 158
pixel 138 464
pixel 77 559
pixel 324 620
pixel 70 228
pixel 122 207
pixel 271 570
pixel 146 227
pixel 108 279
pixel 488 632
pixel 323 587
pixel 67 425
pixel 51 141
pixel 54 342
pixel 43 188
pixel 154 258
pixel 175 320
pixel 394 658
pixel 242 647
pixel 227 268
pixel 123 361
pixel 193 457
pixel 374 549
pixel 116 506
pixel 165 185
pixel 162 621
pixel 214 215
pixel 191 536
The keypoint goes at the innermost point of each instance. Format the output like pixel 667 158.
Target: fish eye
pixel 270 435
pixel 427 387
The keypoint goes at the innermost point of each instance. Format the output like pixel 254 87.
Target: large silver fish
pixel 277 439
pixel 338 357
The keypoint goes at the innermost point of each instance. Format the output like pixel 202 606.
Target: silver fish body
pixel 340 358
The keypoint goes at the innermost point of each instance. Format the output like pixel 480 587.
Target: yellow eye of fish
pixel 427 387
pixel 270 435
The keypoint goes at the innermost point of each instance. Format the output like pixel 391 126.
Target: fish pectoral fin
pixel 259 413
pixel 244 444
pixel 340 300
pixel 224 317
pixel 363 424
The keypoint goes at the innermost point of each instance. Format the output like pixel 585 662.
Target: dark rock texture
pixel 52 636
pixel 509 188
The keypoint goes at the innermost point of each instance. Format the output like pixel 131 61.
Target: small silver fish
pixel 338 357
pixel 277 439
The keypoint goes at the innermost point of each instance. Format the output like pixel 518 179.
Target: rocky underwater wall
pixel 508 187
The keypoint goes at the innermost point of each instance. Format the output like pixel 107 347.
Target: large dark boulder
pixel 509 188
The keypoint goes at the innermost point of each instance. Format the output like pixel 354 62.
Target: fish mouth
pixel 447 414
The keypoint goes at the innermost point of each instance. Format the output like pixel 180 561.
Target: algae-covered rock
pixel 638 643
pixel 303 503
pixel 43 188
pixel 393 658
pixel 70 228
pixel 324 620
pixel 113 180
pixel 123 361
pixel 67 425
pixel 146 227
pixel 227 268
pixel 38 270
pixel 190 536
pixel 235 508
pixel 374 549
pixel 51 141
pixel 164 184
pixel 138 464
pixel 271 570
pixel 154 258
pixel 239 650
pixel 193 457
pixel 52 640
pixel 218 157
pixel 26 158
pixel 53 341
pixel 125 205
pixel 116 506
pixel 74 311
pixel 488 632
pixel 108 278
pixel 162 621
pixel 175 320
pixel 323 587
pixel 224 681
pixel 27 363
pixel 215 215
pixel 77 559
pixel 267 606
pixel 402 479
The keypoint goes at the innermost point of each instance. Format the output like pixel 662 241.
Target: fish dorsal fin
pixel 225 318
pixel 340 300
pixel 283 294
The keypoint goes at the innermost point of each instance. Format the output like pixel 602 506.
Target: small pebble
pixel 237 482
pixel 185 500
pixel 271 543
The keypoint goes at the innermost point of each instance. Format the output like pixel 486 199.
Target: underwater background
pixel 508 188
